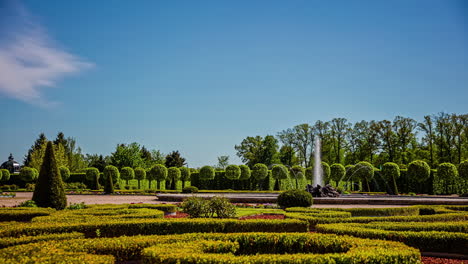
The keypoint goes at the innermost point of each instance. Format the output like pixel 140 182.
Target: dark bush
pixel 173 174
pixel 448 173
pixel 207 173
pixel 221 207
pixel 462 170
pixel 49 190
pixel 233 172
pixel 279 172
pixel 64 173
pixel 295 198
pixel 196 207
pixel 190 189
pixel 30 187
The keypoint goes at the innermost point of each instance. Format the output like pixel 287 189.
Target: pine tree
pixel 174 160
pixel 40 141
pixel 49 191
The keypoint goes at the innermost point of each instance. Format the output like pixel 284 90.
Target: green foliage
pixel 184 174
pixel 190 189
pixel 309 173
pixel 447 171
pixel 233 172
pixel 326 171
pixel 279 172
pixel 27 174
pixel 127 173
pixel 175 160
pixel 207 173
pixel 196 207
pixel 76 206
pixel 259 171
pixel 127 156
pixel 337 172
pixel 463 170
pixel 253 150
pixel 111 171
pixel 364 171
pixel 159 173
pixel 391 172
pixel 111 176
pixel 173 173
pixel 295 198
pixel 245 172
pixel 92 175
pixel 140 174
pixel 297 172
pixel 216 206
pixel 64 173
pixel 349 172
pixel 49 190
pixel 221 207
pixel 5 174
pixel 28 203
pixel 419 170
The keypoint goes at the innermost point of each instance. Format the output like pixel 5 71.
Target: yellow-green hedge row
pixel 458 227
pixel 274 248
pixel 438 241
pixel 215 248
pixel 95 215
pixel 314 220
pixel 156 227
pixel 318 212
pixel 11 241
pixel 23 213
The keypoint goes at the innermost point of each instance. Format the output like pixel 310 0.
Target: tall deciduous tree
pixel 253 150
pixel 127 155
pixel 338 128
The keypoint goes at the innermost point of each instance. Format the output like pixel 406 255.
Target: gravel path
pixel 87 199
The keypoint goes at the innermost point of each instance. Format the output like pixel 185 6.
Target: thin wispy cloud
pixel 29 59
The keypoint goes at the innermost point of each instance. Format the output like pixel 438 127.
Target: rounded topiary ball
pixel 260 171
pixel 233 172
pixel 462 170
pixel 295 198
pixel 245 172
pixel 207 173
pixel 419 170
pixel 64 173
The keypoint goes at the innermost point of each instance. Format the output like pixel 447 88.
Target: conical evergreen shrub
pixel 49 191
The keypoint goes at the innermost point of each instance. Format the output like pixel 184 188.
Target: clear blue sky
pixel 199 76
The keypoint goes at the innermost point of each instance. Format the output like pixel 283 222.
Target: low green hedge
pixel 433 241
pixel 23 214
pixel 113 228
pixel 12 241
pixel 215 248
pixel 318 212
pixel 301 248
pixel 314 220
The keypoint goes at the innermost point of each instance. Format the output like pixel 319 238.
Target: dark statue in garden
pixel 319 191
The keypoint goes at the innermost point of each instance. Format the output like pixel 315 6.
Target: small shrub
pixel 295 198
pixel 75 186
pixel 221 207
pixel 190 189
pixel 28 203
pixel 196 207
pixel 111 175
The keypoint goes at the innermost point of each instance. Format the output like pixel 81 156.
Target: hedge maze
pixel 140 233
